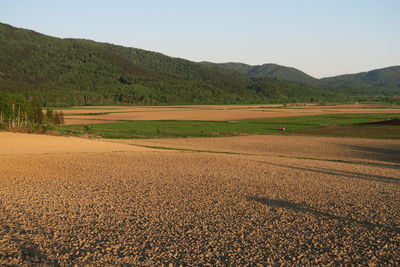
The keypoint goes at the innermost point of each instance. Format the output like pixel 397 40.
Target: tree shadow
pixel 391 154
pixel 348 174
pixel 32 254
pixel 27 250
pixel 307 209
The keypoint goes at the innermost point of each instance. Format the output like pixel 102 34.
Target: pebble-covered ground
pixel 196 208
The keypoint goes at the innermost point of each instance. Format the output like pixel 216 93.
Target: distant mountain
pixel 379 81
pixel 272 71
pixel 384 81
pixel 84 72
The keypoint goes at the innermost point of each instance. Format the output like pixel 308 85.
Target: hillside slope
pixel 84 72
pixel 380 81
pixel 272 71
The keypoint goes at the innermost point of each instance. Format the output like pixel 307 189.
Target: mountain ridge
pixel 272 70
pixel 68 71
pixel 378 79
pixel 384 80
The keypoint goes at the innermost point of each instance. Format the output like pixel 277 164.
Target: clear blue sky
pixel 320 37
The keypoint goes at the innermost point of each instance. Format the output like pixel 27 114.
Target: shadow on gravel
pixel 13 234
pixel 31 254
pixel 28 252
pixel 355 175
pixel 391 154
pixel 306 209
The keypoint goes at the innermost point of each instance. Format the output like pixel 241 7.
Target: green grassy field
pixel 343 125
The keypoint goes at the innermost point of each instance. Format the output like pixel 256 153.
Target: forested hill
pixel 380 81
pixel 271 71
pixel 84 72
pixel 384 81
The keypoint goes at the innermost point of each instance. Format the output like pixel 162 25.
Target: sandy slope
pixel 140 208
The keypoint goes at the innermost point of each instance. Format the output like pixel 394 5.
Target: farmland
pixel 199 133
pixel 79 115
pixel 201 189
pixel 217 121
pixel 260 199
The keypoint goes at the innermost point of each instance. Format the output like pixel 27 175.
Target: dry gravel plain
pixel 131 205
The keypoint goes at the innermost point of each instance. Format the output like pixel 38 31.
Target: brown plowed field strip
pixel 147 207
pixel 210 113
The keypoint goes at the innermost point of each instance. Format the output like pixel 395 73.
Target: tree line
pixel 16 111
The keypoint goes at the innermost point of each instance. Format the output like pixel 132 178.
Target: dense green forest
pixel 64 72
